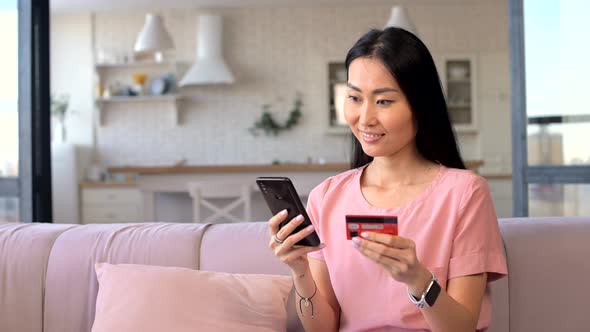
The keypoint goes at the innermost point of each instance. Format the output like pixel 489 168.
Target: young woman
pixel 433 276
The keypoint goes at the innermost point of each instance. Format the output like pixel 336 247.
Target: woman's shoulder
pixel 463 178
pixel 336 182
pixel 458 188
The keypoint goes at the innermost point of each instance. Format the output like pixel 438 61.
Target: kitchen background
pixel 274 52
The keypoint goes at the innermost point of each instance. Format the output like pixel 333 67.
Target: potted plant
pixel 269 125
pixel 59 110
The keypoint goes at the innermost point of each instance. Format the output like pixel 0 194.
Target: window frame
pixel 34 189
pixel 522 173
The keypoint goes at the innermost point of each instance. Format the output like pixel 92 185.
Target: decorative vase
pixel 60 132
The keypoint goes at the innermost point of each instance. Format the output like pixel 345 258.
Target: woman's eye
pixel 354 98
pixel 384 102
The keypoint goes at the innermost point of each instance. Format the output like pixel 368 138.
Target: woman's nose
pixel 367 115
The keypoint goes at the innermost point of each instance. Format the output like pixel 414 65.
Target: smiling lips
pixel 370 137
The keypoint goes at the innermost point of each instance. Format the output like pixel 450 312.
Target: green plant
pixel 269 125
pixel 60 106
pixel 60 109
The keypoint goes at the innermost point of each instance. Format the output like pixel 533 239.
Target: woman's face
pixel 376 110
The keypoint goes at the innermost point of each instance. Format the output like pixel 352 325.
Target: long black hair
pixel 412 66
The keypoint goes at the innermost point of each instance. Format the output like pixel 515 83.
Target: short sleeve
pixel 314 203
pixel 477 245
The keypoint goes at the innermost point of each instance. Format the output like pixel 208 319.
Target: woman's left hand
pixel 398 256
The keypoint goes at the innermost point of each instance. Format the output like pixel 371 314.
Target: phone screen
pixel 280 194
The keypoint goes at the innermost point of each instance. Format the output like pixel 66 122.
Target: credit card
pixel 356 224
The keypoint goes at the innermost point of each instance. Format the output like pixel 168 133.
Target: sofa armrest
pixel 24 251
pixel 547 273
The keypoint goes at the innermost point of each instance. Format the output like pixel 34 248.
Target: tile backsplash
pixel 275 53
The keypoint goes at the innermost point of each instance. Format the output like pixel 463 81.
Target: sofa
pixel 48 283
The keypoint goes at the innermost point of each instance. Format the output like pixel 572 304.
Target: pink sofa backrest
pixel 549 270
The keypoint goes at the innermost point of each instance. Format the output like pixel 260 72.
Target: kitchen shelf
pixel 133 99
pixel 120 75
pixel 140 64
pixel 102 102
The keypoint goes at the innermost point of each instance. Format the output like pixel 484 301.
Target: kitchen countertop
pixel 184 169
pixel 107 184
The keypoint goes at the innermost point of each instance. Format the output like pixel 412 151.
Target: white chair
pixel 203 193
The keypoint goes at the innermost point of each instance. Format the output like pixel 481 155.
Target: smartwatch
pixel 429 296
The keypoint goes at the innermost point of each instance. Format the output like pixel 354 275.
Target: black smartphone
pixel 280 194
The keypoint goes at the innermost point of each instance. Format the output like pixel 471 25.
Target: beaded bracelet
pixel 306 300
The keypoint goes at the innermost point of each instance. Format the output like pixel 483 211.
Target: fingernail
pixel 299 218
pixel 356 241
pixel 283 213
pixel 365 235
pixel 309 228
pixel 322 245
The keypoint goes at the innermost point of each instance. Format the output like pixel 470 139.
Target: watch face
pixel 432 294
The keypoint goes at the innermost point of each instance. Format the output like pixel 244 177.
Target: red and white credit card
pixel 356 224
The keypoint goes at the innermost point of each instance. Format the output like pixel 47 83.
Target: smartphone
pixel 356 224
pixel 280 194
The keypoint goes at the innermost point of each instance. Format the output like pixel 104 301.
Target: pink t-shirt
pixel 454 227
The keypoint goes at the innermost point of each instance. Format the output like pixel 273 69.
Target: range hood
pixel 209 66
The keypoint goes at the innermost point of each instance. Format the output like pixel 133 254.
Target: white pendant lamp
pixel 209 66
pixel 399 18
pixel 153 38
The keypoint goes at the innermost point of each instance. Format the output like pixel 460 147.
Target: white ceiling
pixel 109 5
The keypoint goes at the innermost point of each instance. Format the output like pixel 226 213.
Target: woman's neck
pixel 396 171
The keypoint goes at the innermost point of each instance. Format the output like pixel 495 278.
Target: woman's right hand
pixel 285 249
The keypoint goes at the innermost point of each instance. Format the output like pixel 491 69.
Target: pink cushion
pixel 152 298
pixel 71 287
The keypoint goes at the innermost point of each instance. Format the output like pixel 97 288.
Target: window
pixel 551 118
pixel 9 201
pixel 25 173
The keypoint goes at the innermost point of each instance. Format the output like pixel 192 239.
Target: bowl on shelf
pixel 162 85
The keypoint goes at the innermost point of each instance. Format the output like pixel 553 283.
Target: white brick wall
pixel 274 52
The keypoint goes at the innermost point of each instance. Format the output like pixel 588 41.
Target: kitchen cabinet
pixel 111 203
pixel 458 76
pixel 336 93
